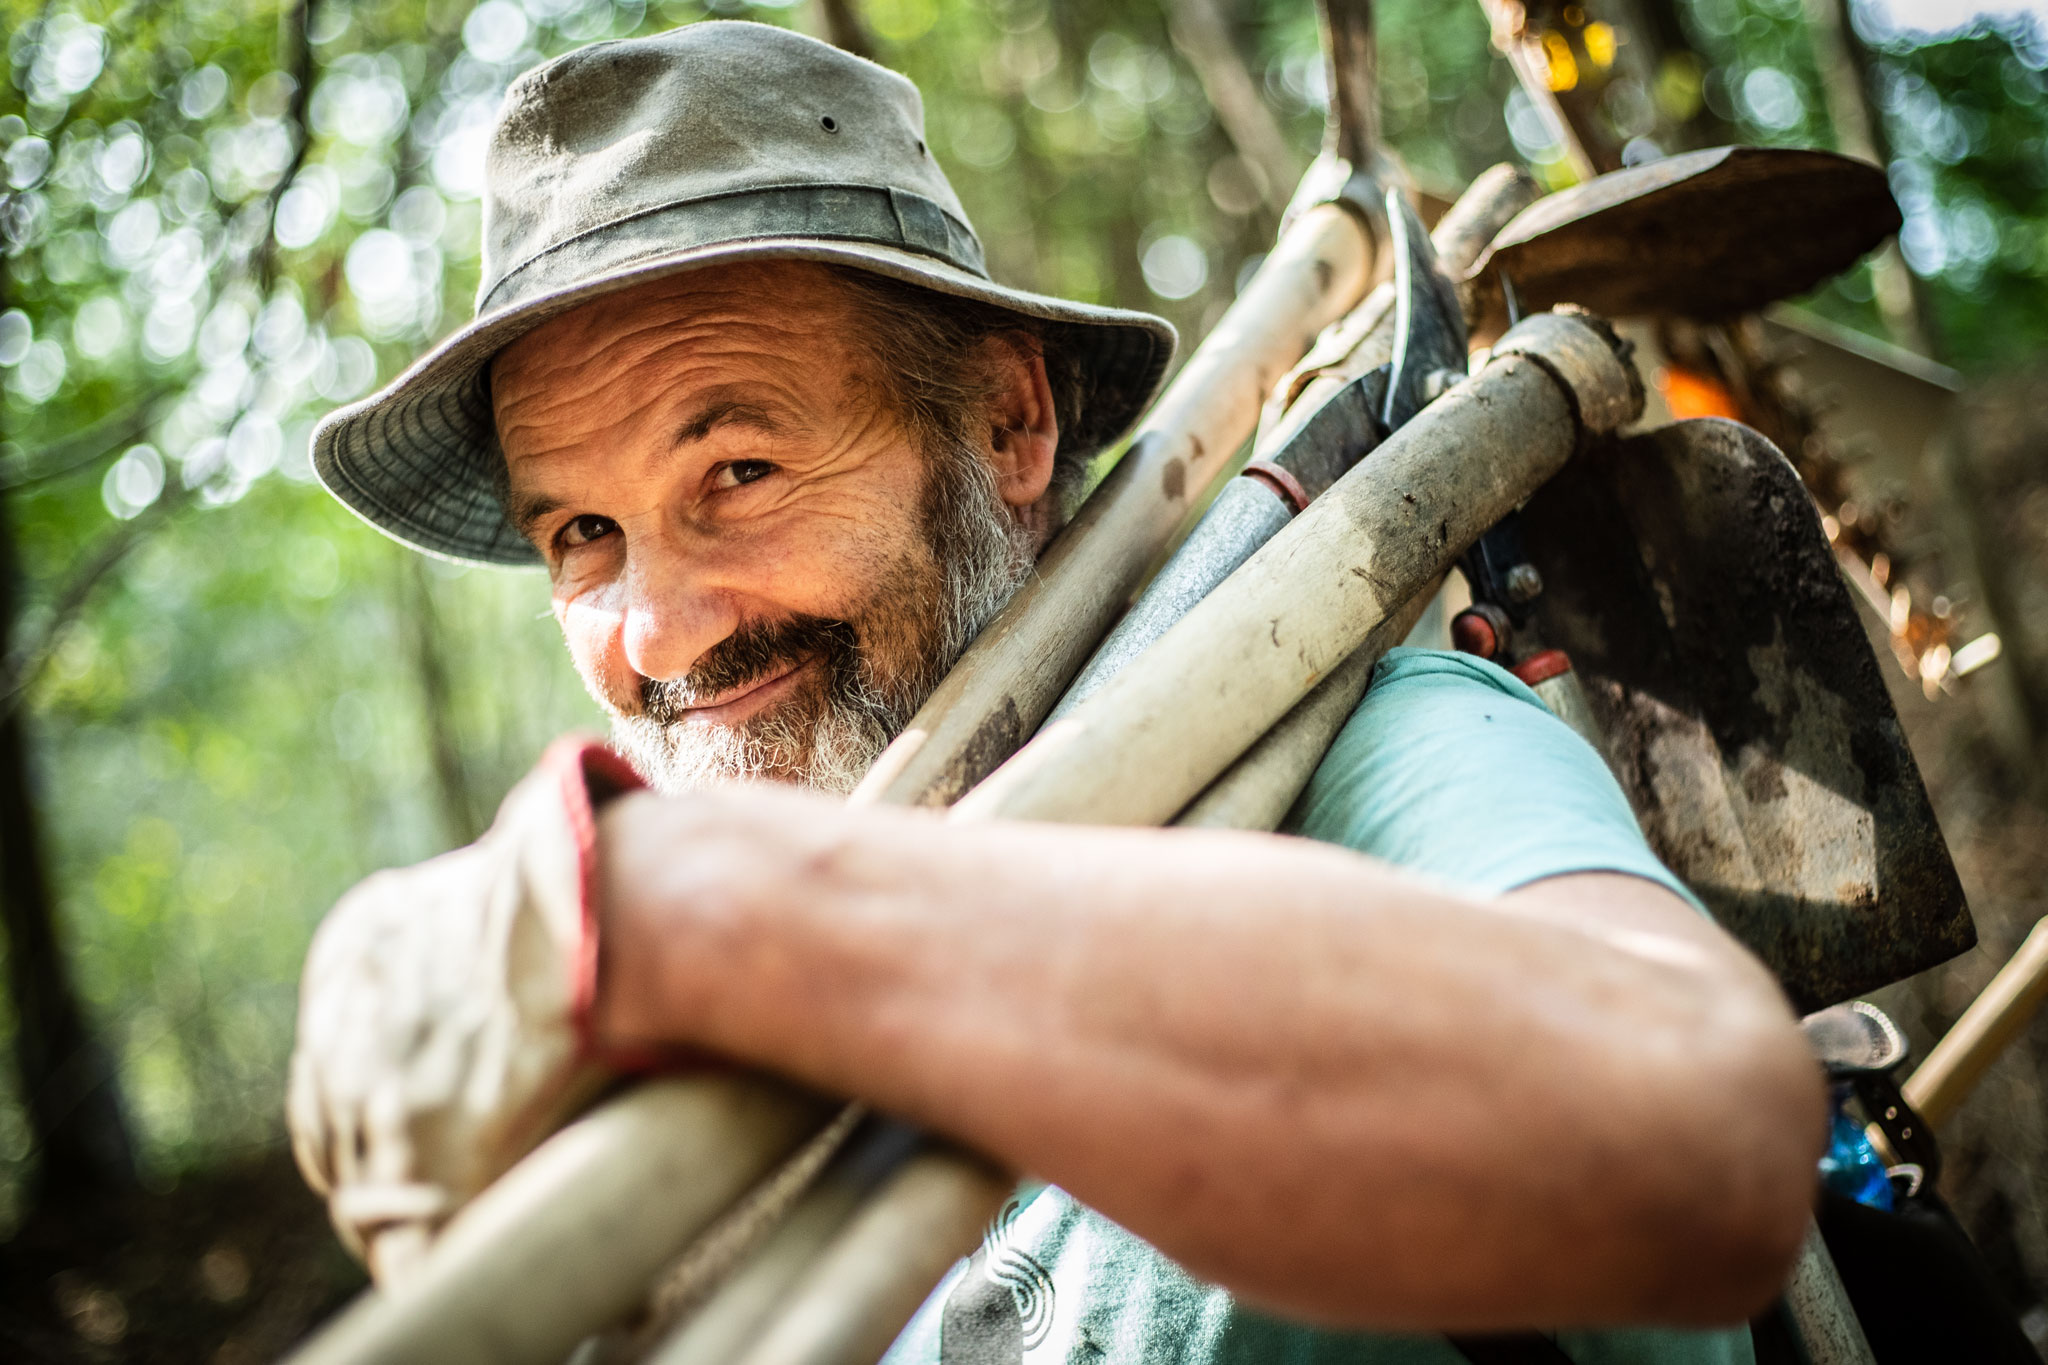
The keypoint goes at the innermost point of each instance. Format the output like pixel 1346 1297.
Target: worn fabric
pixel 1454 769
pixel 442 1013
pixel 623 162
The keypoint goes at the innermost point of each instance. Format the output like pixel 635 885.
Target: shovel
pixel 991 701
pixel 1687 575
pixel 1709 234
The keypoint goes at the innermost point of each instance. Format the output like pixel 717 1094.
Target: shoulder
pixel 1432 716
pixel 1453 767
pixel 1407 676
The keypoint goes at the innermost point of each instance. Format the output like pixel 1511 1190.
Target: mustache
pixel 757 650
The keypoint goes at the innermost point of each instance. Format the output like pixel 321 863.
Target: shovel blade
pixel 1688 577
pixel 1706 234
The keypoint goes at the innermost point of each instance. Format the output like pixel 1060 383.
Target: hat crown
pixel 632 161
pixel 719 114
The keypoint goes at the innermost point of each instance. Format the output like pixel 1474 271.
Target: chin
pixel 830 753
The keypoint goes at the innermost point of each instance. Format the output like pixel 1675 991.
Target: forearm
pixel 1290 1068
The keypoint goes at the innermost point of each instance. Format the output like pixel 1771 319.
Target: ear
pixel 1024 431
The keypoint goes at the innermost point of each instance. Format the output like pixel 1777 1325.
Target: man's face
pixel 758 572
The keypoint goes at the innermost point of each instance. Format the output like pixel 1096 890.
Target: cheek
pixel 838 550
pixel 835 568
pixel 591 623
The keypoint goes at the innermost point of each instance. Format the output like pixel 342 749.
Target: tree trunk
pixel 1668 47
pixel 843 28
pixel 1845 76
pixel 68 1084
pixel 1201 33
pixel 460 819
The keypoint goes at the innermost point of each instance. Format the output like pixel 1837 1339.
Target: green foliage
pixel 238 725
pixel 1966 118
pixel 1969 121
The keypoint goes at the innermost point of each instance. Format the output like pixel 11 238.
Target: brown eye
pixel 744 471
pixel 586 528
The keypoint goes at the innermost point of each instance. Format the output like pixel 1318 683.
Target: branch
pixel 843 28
pixel 1845 64
pixel 68 454
pixel 1524 50
pixel 430 663
pixel 26 662
pixel 294 46
pixel 29 658
pixel 1202 36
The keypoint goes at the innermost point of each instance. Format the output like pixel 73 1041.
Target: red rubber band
pixel 1280 481
pixel 1472 633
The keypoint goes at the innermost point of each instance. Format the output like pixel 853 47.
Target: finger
pixel 396 1252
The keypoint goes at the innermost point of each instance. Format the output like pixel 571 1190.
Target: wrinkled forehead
pixel 765 316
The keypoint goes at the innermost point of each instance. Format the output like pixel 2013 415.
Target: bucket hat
pixel 623 162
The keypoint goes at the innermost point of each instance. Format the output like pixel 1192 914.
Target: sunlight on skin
pixel 706 454
pixel 710 451
pixel 698 453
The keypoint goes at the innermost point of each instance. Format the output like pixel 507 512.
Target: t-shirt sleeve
pixel 1453 768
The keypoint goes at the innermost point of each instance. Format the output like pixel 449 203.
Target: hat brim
pixel 419 460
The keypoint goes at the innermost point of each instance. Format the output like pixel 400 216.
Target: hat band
pixel 852 213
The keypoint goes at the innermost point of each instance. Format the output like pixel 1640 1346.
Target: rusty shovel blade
pixel 1688 577
pixel 1706 234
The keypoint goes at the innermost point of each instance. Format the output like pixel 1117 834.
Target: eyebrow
pixel 527 510
pixel 722 412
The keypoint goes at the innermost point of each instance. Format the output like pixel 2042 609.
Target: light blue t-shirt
pixel 1450 767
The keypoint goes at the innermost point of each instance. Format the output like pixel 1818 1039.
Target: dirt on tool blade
pixel 1747 719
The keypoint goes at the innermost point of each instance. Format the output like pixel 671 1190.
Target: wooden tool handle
pixel 1009 678
pixel 1993 1020
pixel 570 1238
pixel 873 1276
pixel 1155 735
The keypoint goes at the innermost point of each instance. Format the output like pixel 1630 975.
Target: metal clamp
pixel 1584 353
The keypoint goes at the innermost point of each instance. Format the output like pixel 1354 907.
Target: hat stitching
pixel 973 267
pixel 409 463
pixel 448 515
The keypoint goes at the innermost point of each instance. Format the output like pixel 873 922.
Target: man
pixel 739 382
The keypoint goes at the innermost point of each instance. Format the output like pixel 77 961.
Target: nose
pixel 674 611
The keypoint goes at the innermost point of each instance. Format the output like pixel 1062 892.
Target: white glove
pixel 443 1015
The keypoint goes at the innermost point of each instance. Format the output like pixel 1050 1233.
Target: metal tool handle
pixel 1823 1320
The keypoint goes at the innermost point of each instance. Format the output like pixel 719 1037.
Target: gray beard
pixel 985 555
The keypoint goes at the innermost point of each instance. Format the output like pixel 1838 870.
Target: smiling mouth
pixel 742 702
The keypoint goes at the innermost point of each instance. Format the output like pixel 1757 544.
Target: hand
pixel 443 1015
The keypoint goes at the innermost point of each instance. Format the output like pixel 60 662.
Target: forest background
pixel 223 700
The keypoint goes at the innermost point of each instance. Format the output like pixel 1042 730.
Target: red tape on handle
pixel 1280 481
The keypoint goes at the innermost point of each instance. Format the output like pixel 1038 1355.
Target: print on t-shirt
pixel 1001 1306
